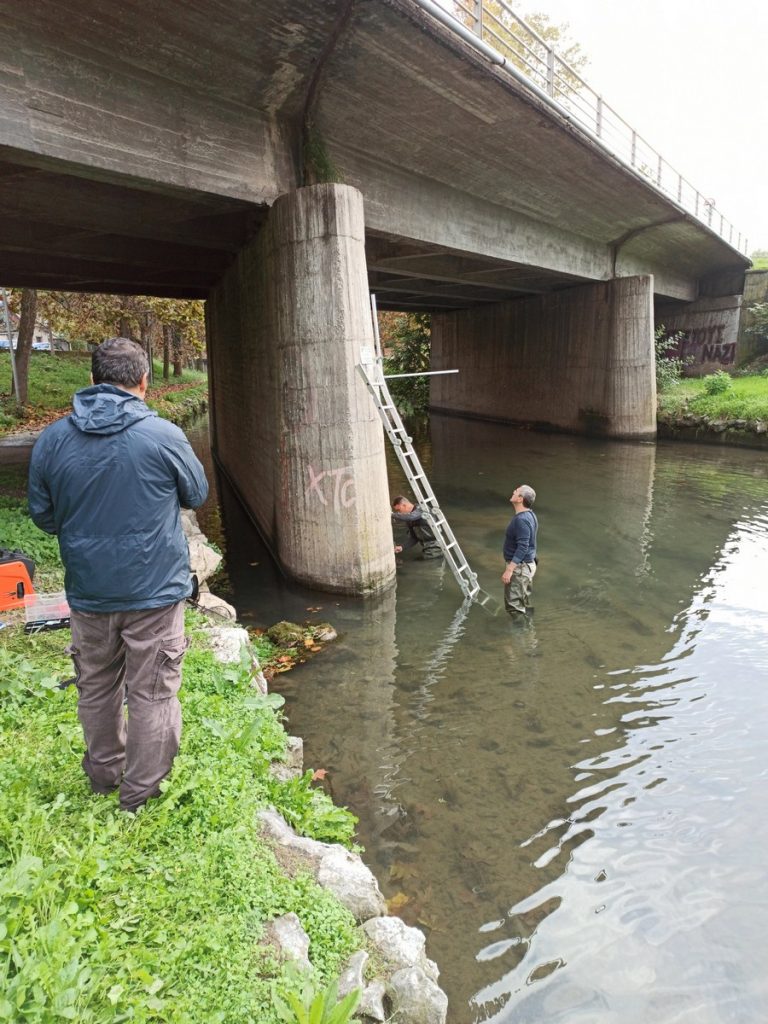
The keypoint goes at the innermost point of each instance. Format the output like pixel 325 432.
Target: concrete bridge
pixel 164 149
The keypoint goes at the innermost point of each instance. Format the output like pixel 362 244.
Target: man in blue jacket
pixel 520 552
pixel 109 481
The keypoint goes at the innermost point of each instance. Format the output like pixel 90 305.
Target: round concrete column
pixel 332 519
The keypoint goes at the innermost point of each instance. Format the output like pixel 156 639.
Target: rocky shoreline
pixel 397 981
pixel 703 430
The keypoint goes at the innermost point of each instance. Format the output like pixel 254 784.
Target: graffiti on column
pixel 705 345
pixel 332 487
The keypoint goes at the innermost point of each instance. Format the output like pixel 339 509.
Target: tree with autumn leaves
pixel 171 328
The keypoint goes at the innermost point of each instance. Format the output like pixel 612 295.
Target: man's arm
pixel 191 484
pixel 38 495
pixel 408 518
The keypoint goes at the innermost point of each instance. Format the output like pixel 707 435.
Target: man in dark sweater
pixel 419 531
pixel 520 552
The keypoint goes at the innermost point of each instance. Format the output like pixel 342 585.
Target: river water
pixel 573 813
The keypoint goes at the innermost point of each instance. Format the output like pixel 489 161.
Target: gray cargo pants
pixel 517 593
pixel 137 654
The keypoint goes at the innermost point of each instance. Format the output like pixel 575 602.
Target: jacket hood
pixel 105 409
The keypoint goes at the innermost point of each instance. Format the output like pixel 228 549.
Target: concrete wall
pixel 751 346
pixel 293 424
pixel 710 329
pixel 579 360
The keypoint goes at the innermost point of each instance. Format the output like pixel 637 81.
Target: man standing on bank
pixel 109 481
pixel 520 552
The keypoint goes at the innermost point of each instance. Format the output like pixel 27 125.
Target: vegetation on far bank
pixel 157 917
pixel 744 398
pixel 54 378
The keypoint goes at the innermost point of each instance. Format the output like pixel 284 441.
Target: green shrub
pixel 669 368
pixel 718 383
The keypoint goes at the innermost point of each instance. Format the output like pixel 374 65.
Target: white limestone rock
pixel 290 939
pixel 352 975
pixel 280 832
pixel 209 604
pixel 399 945
pixel 335 868
pixel 227 642
pixel 351 882
pixel 371 1005
pixel 293 765
pixel 416 999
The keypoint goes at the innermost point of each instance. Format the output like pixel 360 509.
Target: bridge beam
pixel 579 360
pixel 294 427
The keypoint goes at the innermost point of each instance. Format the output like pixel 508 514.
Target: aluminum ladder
pixel 371 370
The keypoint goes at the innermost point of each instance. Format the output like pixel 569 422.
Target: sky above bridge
pixel 690 76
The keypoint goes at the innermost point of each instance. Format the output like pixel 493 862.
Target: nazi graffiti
pixel 334 487
pixel 706 345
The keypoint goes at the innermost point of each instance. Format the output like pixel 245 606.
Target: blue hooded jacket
pixel 109 480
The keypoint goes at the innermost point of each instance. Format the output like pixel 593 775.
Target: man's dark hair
pixel 398 499
pixel 119 361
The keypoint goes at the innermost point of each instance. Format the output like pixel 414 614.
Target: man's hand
pixel 398 549
pixel 508 573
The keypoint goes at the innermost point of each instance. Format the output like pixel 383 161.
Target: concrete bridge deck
pixel 161 149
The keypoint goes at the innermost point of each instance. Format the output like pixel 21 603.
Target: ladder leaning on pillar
pixel 371 370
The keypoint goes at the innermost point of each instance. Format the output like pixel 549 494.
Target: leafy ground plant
pixel 308 1005
pixel 155 918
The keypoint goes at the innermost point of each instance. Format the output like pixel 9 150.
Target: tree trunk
pixel 24 344
pixel 166 351
pixel 125 327
pixel 177 360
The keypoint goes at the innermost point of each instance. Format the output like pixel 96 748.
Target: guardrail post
pixel 477 26
pixel 658 171
pixel 550 71
pixel 679 188
pixel 634 147
pixel 599 118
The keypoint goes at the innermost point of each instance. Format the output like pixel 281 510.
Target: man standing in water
pixel 520 552
pixel 109 480
pixel 419 530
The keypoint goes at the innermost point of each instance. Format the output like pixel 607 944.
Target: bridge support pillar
pixel 579 360
pixel 293 425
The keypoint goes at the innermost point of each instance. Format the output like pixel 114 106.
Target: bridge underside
pixel 165 158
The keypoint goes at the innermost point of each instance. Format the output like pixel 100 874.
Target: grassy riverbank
pixel 53 379
pixel 158 917
pixel 745 399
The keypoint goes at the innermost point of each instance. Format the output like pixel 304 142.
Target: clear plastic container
pixel 45 611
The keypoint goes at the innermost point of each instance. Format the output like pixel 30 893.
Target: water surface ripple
pixel 573 813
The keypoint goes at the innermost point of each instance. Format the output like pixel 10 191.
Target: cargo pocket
pixel 166 676
pixel 74 653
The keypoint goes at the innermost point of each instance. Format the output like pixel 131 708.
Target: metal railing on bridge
pixel 512 43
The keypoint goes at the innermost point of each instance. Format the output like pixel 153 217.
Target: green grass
pixel 158 917
pixel 747 400
pixel 760 262
pixel 53 379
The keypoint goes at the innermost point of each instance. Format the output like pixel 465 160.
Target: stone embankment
pixel 702 429
pixel 397 981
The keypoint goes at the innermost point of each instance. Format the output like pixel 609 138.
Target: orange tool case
pixel 16 573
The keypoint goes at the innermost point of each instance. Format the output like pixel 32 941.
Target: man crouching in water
pixel 419 530
pixel 108 481
pixel 520 552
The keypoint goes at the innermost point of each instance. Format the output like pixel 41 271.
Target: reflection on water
pixel 574 812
